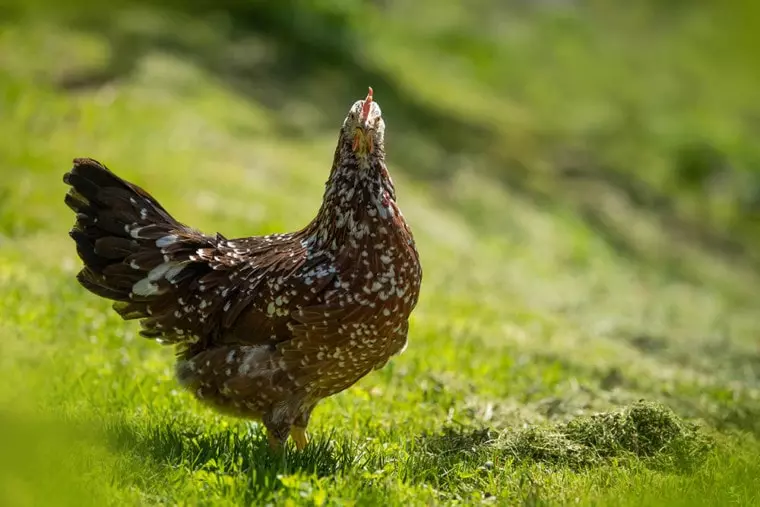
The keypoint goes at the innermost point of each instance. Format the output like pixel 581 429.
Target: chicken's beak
pixel 362 141
pixel 362 136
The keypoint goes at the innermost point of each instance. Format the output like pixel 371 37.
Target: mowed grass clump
pixel 643 430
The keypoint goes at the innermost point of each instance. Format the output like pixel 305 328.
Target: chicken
pixel 265 326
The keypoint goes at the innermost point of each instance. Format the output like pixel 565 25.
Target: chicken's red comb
pixel 367 104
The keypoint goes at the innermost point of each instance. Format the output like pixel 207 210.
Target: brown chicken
pixel 266 326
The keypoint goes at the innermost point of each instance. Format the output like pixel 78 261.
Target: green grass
pixel 546 300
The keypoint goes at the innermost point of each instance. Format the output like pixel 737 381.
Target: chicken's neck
pixel 358 205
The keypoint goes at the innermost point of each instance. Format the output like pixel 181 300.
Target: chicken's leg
pixel 274 443
pixel 300 437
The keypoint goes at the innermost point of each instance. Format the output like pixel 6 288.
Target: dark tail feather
pixel 115 220
pixel 137 255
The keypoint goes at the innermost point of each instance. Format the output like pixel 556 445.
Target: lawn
pixel 584 187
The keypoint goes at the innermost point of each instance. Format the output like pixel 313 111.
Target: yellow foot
pixel 299 437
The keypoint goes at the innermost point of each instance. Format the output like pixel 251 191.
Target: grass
pixel 590 342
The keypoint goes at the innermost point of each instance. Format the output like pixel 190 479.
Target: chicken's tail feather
pixel 134 251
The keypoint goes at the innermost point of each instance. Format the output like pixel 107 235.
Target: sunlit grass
pixel 528 323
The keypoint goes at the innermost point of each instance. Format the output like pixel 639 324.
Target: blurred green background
pixel 583 179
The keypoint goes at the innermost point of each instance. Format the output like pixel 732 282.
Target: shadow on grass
pixel 454 447
pixel 233 451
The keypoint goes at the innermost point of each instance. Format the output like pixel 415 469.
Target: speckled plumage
pixel 266 326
